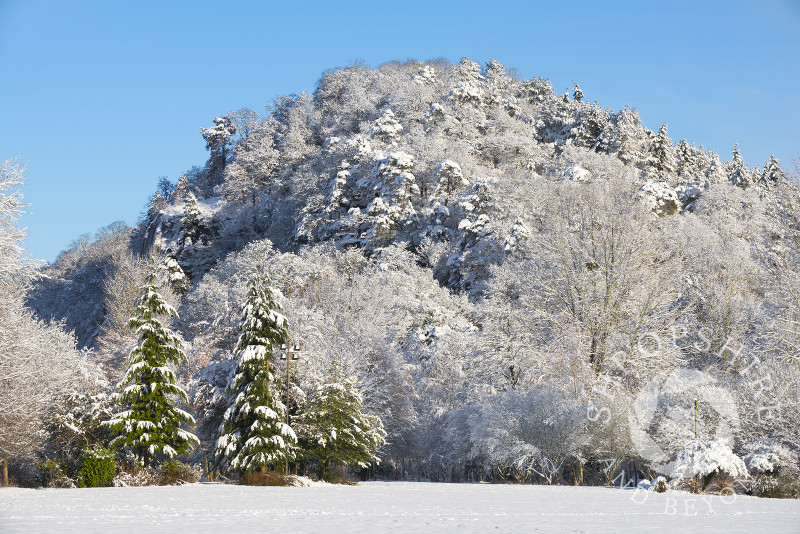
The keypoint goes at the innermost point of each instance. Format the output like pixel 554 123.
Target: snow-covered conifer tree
pixel 469 81
pixel 335 431
pixel 715 172
pixel 387 126
pixel 773 175
pixel 660 157
pixel 191 219
pixel 151 422
pixel 253 434
pixel 218 138
pixel 738 173
pixel 577 94
pixel 449 176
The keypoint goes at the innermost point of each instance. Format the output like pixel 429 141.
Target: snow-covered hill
pixel 512 275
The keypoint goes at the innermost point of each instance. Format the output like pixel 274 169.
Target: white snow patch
pixel 386 507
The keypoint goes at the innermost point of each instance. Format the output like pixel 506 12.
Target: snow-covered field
pixel 386 507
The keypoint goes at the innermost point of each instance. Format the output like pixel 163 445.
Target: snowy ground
pixel 386 507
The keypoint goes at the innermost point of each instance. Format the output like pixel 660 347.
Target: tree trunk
pixel 5 472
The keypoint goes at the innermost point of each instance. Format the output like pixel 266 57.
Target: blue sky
pixel 101 98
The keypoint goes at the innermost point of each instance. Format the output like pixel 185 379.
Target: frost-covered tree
pixel 38 361
pixel 738 173
pixel 577 94
pixel 253 434
pixel 715 171
pixel 386 127
pixel 469 88
pixel 333 428
pixel 254 166
pixel 218 138
pixel 660 157
pixel 624 136
pixel 687 161
pixel 773 175
pixel 497 84
pixel 151 422
pixel 597 274
pixel 449 177
pixel 190 223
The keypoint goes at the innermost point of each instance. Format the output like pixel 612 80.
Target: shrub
pixel 723 485
pixel 54 475
pixel 338 476
pixel 699 463
pixel 97 468
pixel 176 472
pixel 142 477
pixel 775 486
pixel 660 485
pixel 269 478
pixel 775 467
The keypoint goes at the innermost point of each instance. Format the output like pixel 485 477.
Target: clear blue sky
pixel 103 97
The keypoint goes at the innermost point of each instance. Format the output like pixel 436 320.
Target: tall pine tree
pixel 660 158
pixel 334 430
pixel 253 434
pixel 773 175
pixel 738 173
pixel 152 423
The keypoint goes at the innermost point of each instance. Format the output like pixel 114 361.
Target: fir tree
pixel 190 223
pixel 773 175
pixel 448 176
pixel 334 429
pixel 577 94
pixel 687 160
pixel 218 138
pixel 253 434
pixel 152 422
pixel 660 158
pixel 738 174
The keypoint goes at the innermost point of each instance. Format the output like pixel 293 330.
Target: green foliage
pixel 253 434
pixel 777 486
pixel 98 468
pixel 76 424
pixel 152 422
pixel 334 430
pixel 176 472
pixel 54 474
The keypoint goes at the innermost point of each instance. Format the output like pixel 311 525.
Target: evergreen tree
pixel 218 138
pixel 624 136
pixel 190 223
pixel 448 177
pixel 334 430
pixel 687 160
pixel 773 175
pixel 577 94
pixel 738 174
pixel 152 422
pixel 182 189
pixel 253 434
pixel 715 172
pixel 469 82
pixel 660 158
